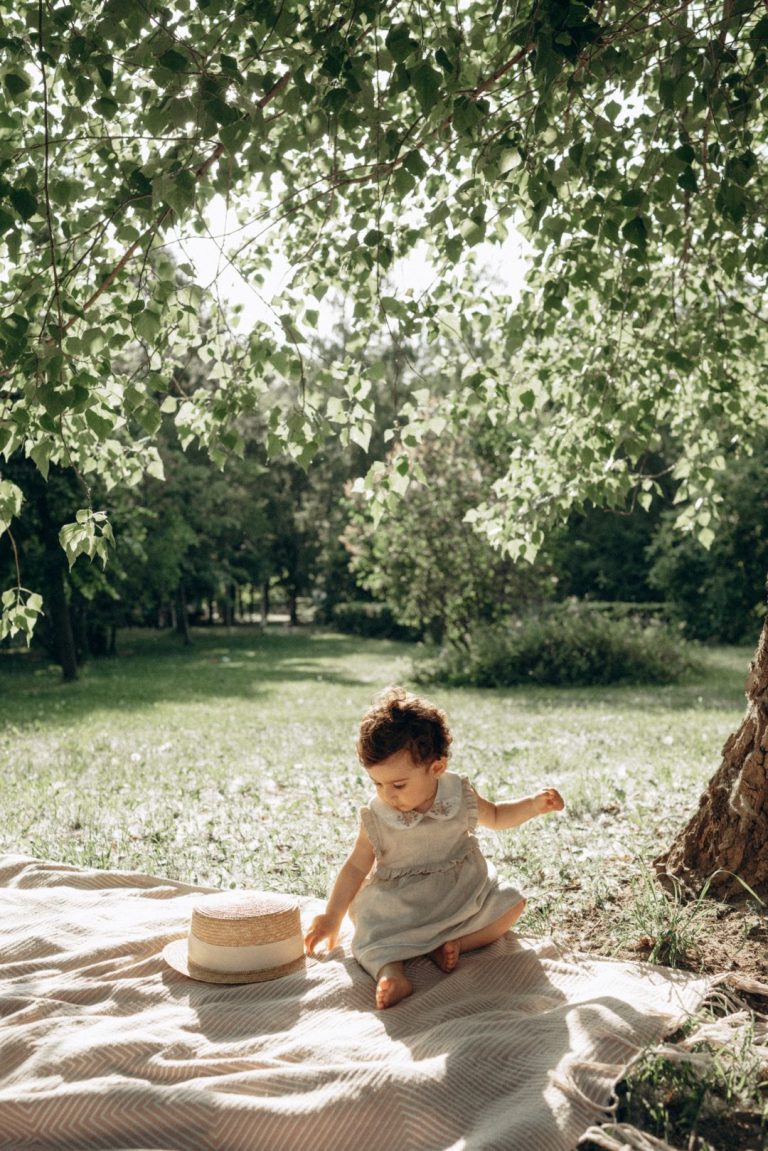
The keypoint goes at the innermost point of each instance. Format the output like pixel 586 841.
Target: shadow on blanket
pixel 103 1047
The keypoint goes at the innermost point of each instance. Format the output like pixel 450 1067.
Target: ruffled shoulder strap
pixel 371 825
pixel 470 803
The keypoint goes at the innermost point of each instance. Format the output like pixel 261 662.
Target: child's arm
pixel 501 816
pixel 348 882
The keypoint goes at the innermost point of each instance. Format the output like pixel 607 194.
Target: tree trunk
pixel 265 603
pixel 61 623
pixel 182 615
pixel 727 839
pixel 55 592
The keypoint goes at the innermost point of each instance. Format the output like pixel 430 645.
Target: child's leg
pixel 447 955
pixel 392 985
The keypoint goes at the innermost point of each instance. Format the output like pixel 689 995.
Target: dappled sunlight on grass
pixel 232 761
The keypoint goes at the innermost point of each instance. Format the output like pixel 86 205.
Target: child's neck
pixel 427 804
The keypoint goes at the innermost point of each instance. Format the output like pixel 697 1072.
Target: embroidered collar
pixel 446 804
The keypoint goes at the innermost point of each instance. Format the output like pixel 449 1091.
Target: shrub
pixel 371 620
pixel 564 648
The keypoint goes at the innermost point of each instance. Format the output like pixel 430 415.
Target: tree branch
pixel 15 551
pixel 46 170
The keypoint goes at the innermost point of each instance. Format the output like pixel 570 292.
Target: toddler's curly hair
pixel 398 719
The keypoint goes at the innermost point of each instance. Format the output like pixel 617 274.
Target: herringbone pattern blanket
pixel 102 1046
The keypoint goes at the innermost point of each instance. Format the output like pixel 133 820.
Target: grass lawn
pixel 231 763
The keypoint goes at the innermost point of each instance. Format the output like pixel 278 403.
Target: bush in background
pixel 575 646
pixel 371 620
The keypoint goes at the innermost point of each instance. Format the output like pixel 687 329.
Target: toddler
pixel 416 881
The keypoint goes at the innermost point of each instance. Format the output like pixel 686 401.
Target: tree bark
pixel 182 615
pixel 61 622
pixel 55 585
pixel 726 841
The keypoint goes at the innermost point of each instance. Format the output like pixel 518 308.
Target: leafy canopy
pixel 626 139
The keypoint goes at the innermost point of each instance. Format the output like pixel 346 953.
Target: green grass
pixel 709 1094
pixel 232 761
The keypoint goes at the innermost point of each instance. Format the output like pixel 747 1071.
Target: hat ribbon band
pixel 258 957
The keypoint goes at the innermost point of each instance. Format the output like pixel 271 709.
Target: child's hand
pixel 549 800
pixel 322 927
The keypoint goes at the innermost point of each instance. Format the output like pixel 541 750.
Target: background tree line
pixel 212 544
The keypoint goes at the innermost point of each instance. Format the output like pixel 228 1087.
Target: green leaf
pixel 414 162
pixel 24 202
pixel 107 107
pixel 90 535
pixel 11 499
pixel 40 455
pixel 16 83
pixel 687 180
pixel 509 160
pixel 20 610
pixel 155 468
pixel 399 42
pixel 290 329
pixel 234 135
pixel 685 153
pixel 635 231
pixel 445 62
pixel 54 400
pixel 731 201
pixel 221 111
pixel 467 115
pixel 93 341
pixel 102 425
pixel 633 197
pixel 426 83
pixel 173 61
pixel 758 36
pixel 149 417
pixel 403 182
pixel 147 324
pixel 472 230
pixel 14 327
pixel 84 87
pixel 180 190
pixel 360 434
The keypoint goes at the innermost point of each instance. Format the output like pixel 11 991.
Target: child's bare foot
pixel 446 956
pixel 392 985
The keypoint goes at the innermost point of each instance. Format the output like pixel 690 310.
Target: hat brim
pixel 175 955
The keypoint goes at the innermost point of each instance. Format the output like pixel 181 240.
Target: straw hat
pixel 240 937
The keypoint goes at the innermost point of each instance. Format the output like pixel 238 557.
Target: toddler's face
pixel 404 784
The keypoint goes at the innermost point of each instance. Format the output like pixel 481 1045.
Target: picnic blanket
pixel 104 1047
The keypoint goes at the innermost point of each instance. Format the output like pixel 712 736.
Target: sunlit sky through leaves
pixel 504 264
